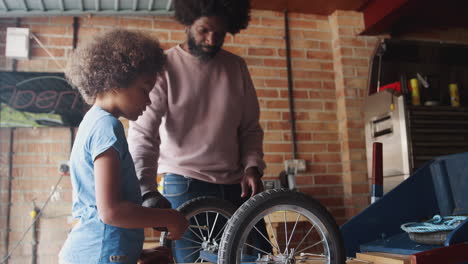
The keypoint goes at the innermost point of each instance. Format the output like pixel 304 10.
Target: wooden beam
pixel 61 5
pixel 25 5
pixel 41 4
pixel 3 4
pixel 384 258
pixel 380 15
pixel 169 5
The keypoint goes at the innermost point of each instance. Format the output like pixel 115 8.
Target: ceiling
pixel 17 8
pixel 398 16
pixel 380 16
pixel 383 16
pixel 320 7
pixel 23 8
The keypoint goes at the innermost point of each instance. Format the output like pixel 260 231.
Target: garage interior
pixel 334 79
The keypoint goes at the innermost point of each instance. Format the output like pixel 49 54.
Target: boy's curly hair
pixel 235 12
pixel 114 59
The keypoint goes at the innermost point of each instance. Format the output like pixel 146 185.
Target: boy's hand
pixel 178 225
pixel 158 255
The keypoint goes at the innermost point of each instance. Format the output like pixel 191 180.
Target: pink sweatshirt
pixel 203 122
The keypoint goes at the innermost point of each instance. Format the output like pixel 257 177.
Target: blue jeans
pixel 179 189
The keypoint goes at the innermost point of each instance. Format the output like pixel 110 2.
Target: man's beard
pixel 198 51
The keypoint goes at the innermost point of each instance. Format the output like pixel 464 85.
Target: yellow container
pixel 454 95
pixel 415 98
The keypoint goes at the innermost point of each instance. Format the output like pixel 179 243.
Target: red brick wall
pixel 330 66
pixel 4 176
pixel 37 153
pixel 351 62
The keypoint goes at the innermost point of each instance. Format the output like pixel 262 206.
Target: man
pixel 202 128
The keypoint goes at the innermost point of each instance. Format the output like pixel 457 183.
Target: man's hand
pixel 251 182
pixel 155 200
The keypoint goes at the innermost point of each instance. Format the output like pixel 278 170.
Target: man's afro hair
pixel 235 12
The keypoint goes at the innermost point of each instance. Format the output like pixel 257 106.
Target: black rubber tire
pixel 204 204
pixel 254 207
pixel 201 205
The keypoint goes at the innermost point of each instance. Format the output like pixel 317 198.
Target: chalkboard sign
pixel 37 99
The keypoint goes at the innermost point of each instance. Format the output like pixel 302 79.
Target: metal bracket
pixel 292 167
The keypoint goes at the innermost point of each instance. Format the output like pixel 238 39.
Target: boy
pixel 114 73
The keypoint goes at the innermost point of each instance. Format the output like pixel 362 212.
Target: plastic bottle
pixel 454 95
pixel 415 97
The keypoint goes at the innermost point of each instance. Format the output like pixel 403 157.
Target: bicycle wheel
pixel 306 232
pixel 208 217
